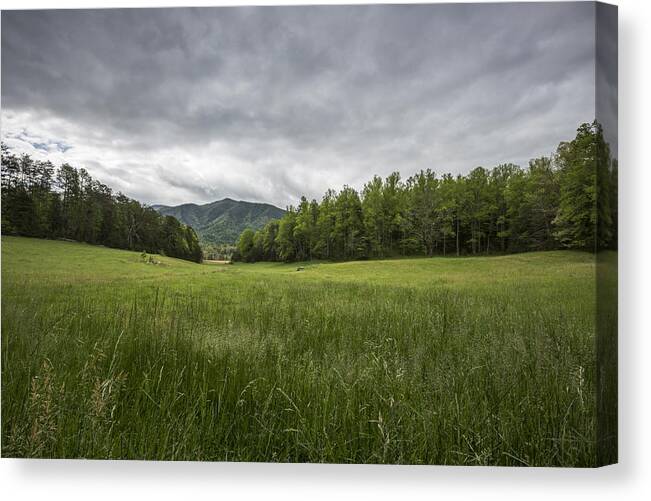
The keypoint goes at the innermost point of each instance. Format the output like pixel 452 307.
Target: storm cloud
pixel 270 103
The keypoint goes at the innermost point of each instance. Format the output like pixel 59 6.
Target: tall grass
pixel 107 356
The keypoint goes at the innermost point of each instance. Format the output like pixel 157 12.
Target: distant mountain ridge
pixel 223 221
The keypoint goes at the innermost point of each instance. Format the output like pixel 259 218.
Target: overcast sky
pixel 267 104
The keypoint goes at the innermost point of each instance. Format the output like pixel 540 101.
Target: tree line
pixel 567 200
pixel 39 200
pixel 217 252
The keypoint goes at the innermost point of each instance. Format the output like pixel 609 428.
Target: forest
pixel 39 200
pixel 565 201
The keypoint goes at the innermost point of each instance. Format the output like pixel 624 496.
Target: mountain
pixel 221 222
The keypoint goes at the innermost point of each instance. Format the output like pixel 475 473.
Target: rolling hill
pixel 221 222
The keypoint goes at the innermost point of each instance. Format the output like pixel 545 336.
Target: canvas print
pixel 329 234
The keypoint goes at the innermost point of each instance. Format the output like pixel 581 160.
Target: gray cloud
pixel 268 103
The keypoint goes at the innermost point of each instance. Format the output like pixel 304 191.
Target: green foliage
pixel 245 245
pixel 483 361
pixel 568 200
pixel 40 201
pixel 286 246
pixel 218 252
pixel 588 184
pixel 532 201
pixel 222 222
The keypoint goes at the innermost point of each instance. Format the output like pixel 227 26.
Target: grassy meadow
pixel 474 361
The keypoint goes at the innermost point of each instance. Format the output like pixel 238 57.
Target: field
pixel 485 360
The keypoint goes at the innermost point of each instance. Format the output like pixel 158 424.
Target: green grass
pixel 444 360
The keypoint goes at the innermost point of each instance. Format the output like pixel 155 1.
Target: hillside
pixel 221 222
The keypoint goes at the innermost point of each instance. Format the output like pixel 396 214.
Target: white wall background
pixel 631 479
